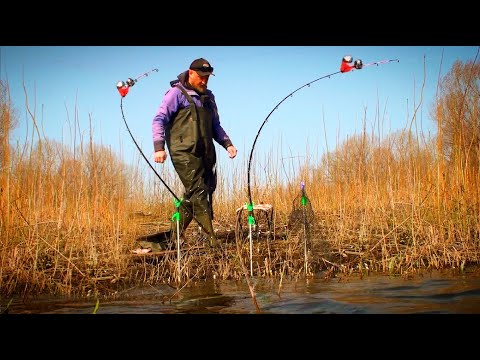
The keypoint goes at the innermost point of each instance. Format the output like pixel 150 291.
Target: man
pixel 187 121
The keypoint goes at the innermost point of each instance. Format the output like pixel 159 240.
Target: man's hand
pixel 232 151
pixel 160 156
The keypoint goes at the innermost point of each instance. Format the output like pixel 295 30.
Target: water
pixel 430 293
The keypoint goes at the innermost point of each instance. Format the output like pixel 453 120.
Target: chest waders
pixel 189 138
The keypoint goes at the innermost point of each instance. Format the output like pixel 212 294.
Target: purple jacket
pixel 175 100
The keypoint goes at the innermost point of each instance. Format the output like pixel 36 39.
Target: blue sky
pixel 250 81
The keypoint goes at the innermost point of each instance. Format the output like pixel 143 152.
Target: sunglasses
pixel 203 68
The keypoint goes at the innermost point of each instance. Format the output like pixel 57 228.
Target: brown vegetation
pixel 70 213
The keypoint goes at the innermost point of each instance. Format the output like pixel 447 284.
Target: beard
pixel 200 89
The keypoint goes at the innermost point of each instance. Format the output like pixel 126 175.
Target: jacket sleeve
pixel 219 133
pixel 168 108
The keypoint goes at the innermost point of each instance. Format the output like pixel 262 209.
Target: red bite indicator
pixel 122 88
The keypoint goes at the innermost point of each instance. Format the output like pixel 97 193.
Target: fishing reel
pixel 347 60
pixel 124 86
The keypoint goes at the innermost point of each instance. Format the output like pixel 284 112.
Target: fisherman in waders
pixel 187 121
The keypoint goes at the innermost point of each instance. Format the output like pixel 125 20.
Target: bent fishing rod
pixel 345 66
pixel 123 88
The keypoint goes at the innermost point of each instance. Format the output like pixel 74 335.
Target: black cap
pixel 202 67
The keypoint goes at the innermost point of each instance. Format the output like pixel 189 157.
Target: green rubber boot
pixel 206 222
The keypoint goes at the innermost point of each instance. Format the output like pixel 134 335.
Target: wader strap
pixel 193 107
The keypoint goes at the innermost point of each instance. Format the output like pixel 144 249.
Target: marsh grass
pixel 72 211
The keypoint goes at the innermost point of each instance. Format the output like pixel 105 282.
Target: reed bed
pixel 71 211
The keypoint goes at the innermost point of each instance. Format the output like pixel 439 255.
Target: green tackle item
pixel 184 217
pixel 251 219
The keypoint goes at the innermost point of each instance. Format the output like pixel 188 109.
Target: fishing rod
pixel 345 66
pixel 123 88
